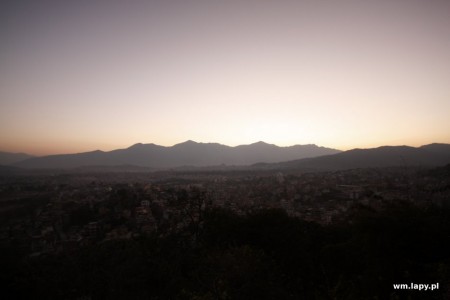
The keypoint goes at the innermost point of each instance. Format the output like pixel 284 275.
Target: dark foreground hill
pixel 185 154
pixel 265 255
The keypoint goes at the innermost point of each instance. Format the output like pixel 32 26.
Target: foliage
pixel 265 255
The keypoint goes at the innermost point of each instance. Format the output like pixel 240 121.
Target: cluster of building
pixel 58 213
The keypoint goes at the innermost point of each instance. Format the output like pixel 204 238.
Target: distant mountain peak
pixel 262 143
pixel 186 143
pixel 136 145
pixel 190 142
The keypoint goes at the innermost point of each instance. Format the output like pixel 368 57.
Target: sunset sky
pixel 83 75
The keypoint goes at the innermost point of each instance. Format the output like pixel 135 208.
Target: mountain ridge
pixel 435 154
pixel 259 155
pixel 185 153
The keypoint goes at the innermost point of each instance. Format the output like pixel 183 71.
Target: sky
pixel 83 75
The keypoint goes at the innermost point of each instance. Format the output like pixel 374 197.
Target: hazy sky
pixel 85 75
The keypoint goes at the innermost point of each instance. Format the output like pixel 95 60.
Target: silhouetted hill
pixel 385 156
pixel 436 148
pixel 7 158
pixel 188 153
pixel 67 160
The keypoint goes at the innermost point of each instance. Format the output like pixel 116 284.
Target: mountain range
pixel 386 156
pixel 254 156
pixel 189 153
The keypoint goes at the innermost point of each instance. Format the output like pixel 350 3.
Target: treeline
pixel 266 255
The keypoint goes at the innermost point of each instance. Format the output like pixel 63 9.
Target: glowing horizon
pixel 79 76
